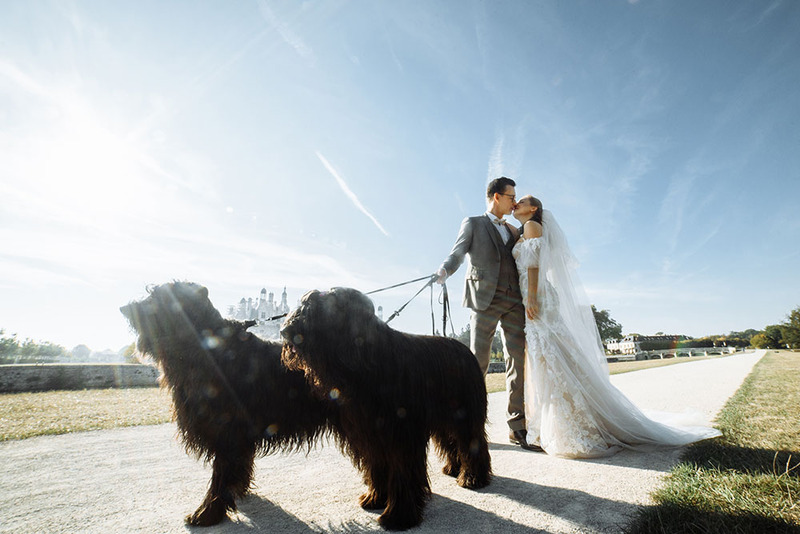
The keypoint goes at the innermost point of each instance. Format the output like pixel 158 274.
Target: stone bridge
pixel 673 353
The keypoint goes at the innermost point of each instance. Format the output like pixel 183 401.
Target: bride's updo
pixel 538 204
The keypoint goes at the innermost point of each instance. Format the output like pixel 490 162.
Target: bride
pixel 571 407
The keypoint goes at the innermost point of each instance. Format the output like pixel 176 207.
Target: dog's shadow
pixel 443 513
pixel 258 514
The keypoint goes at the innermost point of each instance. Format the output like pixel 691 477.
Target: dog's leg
pixel 447 448
pixel 376 479
pixel 408 486
pixel 231 478
pixel 473 450
pixel 372 463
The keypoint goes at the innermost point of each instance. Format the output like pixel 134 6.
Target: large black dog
pixel 394 392
pixel 233 399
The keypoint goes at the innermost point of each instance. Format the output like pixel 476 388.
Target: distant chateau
pixel 264 308
pixel 633 343
pixel 261 310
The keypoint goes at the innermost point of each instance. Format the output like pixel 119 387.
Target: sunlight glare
pixel 85 170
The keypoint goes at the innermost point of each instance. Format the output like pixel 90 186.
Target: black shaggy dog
pixel 394 391
pixel 233 399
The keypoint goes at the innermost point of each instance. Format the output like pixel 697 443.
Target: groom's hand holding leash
pixel 442 275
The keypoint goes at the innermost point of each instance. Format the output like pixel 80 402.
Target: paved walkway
pixel 140 480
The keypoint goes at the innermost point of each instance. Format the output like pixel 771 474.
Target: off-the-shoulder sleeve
pixel 529 252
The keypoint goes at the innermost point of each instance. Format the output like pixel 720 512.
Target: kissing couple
pixel 560 398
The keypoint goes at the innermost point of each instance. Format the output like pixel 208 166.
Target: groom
pixel 492 293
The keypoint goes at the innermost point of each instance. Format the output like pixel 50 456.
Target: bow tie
pixel 499 221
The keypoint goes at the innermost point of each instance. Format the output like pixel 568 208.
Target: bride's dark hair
pixel 534 202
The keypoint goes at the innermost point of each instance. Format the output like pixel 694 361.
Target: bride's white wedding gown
pixel 571 407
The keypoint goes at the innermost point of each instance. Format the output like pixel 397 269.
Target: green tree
pixel 774 334
pixel 790 329
pixel 759 341
pixel 463 336
pixel 50 352
pixel 730 341
pixel 29 351
pixel 770 338
pixel 81 353
pixel 497 342
pixel 746 334
pixel 8 345
pixel 129 353
pixel 608 327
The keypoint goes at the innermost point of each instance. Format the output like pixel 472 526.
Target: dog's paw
pixel 371 501
pixel 473 481
pixel 397 520
pixel 451 470
pixel 209 513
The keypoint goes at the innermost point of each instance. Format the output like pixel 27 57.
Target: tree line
pixel 785 334
pixel 12 350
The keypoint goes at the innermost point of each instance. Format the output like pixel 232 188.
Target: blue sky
pixel 313 144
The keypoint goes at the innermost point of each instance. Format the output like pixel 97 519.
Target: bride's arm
pixel 532 229
pixel 532 306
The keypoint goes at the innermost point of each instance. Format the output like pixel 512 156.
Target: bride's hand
pixel 532 308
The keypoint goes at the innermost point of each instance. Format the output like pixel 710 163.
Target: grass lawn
pixel 23 415
pixel 497 381
pixel 747 481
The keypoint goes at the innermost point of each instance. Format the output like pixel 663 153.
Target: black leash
pixel 446 312
pixel 402 284
pixel 430 279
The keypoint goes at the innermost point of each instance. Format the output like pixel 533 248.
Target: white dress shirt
pixel 502 228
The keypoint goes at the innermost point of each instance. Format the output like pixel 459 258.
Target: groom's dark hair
pixel 498 185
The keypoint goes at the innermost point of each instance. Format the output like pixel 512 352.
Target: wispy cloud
pixel 674 205
pixel 286 34
pixel 507 156
pixel 496 158
pixel 352 196
pixel 21 79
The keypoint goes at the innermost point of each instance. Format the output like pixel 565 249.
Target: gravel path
pixel 140 480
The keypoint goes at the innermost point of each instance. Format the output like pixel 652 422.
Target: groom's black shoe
pixel 517 437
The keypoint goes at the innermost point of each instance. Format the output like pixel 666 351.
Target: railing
pixel 673 353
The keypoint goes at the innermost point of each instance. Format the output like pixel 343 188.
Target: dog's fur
pixel 394 392
pixel 233 399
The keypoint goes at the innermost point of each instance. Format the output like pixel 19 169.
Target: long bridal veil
pixel 557 265
pixel 574 351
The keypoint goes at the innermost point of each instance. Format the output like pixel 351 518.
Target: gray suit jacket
pixel 481 241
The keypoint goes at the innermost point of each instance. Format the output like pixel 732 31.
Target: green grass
pixel 24 415
pixel 747 481
pixel 497 381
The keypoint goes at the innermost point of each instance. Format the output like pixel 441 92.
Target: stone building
pixel 633 343
pixel 263 311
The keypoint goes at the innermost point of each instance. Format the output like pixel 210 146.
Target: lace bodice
pixel 526 252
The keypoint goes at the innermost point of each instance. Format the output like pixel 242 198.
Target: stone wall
pixel 51 376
